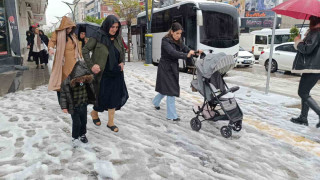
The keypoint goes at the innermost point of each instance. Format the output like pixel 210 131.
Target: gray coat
pixel 168 69
pixel 307 59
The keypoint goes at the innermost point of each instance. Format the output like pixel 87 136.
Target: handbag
pixel 50 64
pixel 44 47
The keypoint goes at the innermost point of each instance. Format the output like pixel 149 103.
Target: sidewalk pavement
pixel 13 81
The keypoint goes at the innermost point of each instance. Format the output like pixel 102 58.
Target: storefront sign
pixel 258 22
pixel 259 14
pixel 13 27
pixel 4 53
pixel 39 18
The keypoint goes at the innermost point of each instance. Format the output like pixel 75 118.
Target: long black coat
pixel 307 59
pixel 44 56
pixel 168 69
pixel 30 38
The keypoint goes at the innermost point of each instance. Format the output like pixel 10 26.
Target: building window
pixel 3 30
pixel 109 8
pixel 105 14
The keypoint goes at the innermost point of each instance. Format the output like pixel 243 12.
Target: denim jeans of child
pixel 79 121
pixel 171 106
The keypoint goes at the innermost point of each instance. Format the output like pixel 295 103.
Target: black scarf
pixel 104 37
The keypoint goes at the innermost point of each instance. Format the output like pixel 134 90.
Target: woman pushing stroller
pixel 167 84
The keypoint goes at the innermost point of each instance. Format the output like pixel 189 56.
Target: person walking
pixel 44 56
pixel 37 48
pixel 67 52
pixel 107 63
pixel 76 92
pixel 30 42
pixel 167 83
pixel 82 36
pixel 307 62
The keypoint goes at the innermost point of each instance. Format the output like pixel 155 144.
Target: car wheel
pixel 274 66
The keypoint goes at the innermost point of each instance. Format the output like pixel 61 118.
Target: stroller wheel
pixel 237 126
pixel 195 124
pixel 226 131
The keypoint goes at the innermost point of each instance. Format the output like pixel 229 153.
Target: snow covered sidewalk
pixel 35 138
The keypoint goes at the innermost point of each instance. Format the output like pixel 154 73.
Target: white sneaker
pixel 75 143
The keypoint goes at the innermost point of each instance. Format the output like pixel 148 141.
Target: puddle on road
pixel 294 106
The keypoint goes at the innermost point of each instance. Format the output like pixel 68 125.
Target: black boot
pixel 302 119
pixel 314 106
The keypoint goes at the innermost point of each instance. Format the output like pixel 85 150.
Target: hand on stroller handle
pixel 197 53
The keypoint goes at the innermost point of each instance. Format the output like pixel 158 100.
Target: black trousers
pixel 43 57
pixel 79 121
pixel 307 82
pixel 30 52
pixel 36 57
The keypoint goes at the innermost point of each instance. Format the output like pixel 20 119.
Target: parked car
pixel 282 58
pixel 244 58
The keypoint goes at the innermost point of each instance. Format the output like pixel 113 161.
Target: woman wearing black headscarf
pixel 107 62
pixel 44 56
pixel 82 36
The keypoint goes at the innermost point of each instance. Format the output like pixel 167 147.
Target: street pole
pixel 148 35
pixel 271 52
pixel 72 7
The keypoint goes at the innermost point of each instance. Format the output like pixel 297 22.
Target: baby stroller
pixel 219 102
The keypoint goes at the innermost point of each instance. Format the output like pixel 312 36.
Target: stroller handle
pixel 233 89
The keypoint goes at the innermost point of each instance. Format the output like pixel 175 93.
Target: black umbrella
pixel 88 27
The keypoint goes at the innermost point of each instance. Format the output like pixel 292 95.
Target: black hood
pixel 107 24
pixel 79 69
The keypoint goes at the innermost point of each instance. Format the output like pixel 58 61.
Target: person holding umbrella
pixel 307 62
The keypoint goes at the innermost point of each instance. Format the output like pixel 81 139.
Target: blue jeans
pixel 171 106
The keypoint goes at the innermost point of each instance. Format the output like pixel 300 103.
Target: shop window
pixel 3 30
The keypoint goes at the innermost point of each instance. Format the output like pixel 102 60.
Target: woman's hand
pixel 200 51
pixel 121 65
pixel 298 38
pixel 191 52
pixel 51 51
pixel 65 110
pixel 95 69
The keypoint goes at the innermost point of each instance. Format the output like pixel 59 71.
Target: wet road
pixel 280 83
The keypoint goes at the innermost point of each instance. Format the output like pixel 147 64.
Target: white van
pixel 262 39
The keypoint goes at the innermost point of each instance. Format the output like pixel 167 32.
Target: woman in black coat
pixel 172 49
pixel 307 62
pixel 44 56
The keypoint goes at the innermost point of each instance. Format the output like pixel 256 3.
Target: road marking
pixel 276 132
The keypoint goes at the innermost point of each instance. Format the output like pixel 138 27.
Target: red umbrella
pixel 299 9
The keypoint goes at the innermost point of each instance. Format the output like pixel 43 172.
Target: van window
pixel 261 40
pixel 279 39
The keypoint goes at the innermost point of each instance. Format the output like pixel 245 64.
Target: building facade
pixel 80 10
pixel 16 16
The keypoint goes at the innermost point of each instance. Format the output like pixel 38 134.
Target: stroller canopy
pixel 212 67
pixel 215 62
